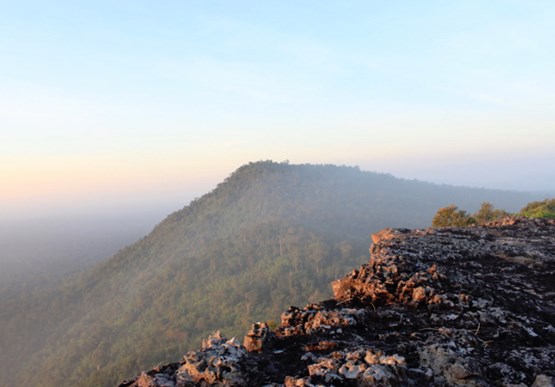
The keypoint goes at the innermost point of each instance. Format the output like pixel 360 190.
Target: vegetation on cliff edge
pixel 451 216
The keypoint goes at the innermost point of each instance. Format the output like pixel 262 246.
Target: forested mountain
pixel 272 234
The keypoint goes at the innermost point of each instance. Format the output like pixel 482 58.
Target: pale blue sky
pixel 106 100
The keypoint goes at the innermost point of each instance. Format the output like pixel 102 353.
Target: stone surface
pixel 258 336
pixel 219 362
pixel 455 306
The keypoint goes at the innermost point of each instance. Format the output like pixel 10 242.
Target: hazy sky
pixel 112 104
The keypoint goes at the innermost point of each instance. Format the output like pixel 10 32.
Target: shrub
pixel 543 209
pixel 451 216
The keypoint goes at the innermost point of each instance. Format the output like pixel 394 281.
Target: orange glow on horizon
pixel 86 176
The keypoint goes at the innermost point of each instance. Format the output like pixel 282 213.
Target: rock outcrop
pixel 455 306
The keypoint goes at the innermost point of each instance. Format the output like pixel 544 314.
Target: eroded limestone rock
pixel 257 337
pixel 219 362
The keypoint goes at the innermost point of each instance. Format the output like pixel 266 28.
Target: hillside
pixel 437 307
pixel 272 234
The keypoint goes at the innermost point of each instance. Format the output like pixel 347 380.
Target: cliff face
pixel 465 307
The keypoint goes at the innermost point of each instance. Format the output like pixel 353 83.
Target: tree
pixel 451 216
pixel 543 209
pixel 488 213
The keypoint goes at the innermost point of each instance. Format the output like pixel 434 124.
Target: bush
pixel 543 209
pixel 488 213
pixel 451 216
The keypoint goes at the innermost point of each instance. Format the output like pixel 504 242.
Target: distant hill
pixel 270 235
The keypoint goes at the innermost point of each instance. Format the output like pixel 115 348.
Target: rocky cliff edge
pixel 455 306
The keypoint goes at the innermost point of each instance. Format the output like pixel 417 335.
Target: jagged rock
pixel 362 367
pixel 219 362
pixel 544 381
pixel 163 376
pixel 257 337
pixel 456 306
pixel 449 365
pixel 317 318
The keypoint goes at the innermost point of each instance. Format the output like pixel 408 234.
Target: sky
pixel 120 105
